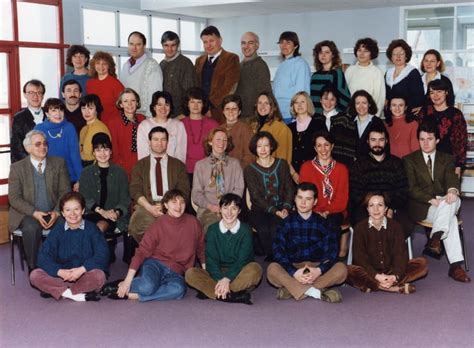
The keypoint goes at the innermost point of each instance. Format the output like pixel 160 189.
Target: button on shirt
pixel 164 176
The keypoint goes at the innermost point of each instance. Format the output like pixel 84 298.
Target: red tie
pixel 132 61
pixel 159 178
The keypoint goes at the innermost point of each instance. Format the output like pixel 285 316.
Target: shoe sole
pixel 331 296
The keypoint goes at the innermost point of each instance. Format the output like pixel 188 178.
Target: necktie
pixel 40 168
pixel 159 178
pixel 429 163
pixel 132 61
pixel 211 58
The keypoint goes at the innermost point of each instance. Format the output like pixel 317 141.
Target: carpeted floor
pixel 440 313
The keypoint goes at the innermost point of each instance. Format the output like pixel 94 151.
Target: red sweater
pixel 403 138
pixel 175 242
pixel 122 143
pixel 340 183
pixel 108 91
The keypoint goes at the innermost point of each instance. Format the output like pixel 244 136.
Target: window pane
pixel 95 23
pixel 425 22
pixel 6 28
pixel 4 81
pixel 48 60
pixel 4 132
pixel 130 23
pixel 159 56
pixel 190 39
pixel 465 28
pixel 159 26
pixel 37 23
pixel 422 40
pixel 4 188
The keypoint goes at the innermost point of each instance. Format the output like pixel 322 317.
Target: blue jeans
pixel 157 282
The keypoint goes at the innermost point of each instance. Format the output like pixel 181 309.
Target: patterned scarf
pixel 217 174
pixel 126 121
pixel 328 190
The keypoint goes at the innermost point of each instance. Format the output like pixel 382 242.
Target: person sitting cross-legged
pixel 230 267
pixel 305 252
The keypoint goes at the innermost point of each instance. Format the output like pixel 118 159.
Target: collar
pixel 364 67
pixel 254 56
pixel 367 120
pixel 36 162
pixel 34 112
pixel 81 226
pixel 404 73
pixel 164 158
pixel 215 56
pixel 432 155
pixel 172 58
pixel 425 84
pixel 233 230
pixel 331 113
pixel 384 223
pixel 137 62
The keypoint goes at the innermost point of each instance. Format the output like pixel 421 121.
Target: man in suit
pixel 434 196
pixel 36 184
pixel 217 70
pixel 147 189
pixel 26 119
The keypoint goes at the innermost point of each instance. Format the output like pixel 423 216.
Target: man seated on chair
pixel 36 183
pixel 231 271
pixel 152 177
pixel 305 251
pixel 434 196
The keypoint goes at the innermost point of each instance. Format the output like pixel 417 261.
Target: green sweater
pixel 226 254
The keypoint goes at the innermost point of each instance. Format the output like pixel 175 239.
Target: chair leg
pixel 410 249
pixel 351 238
pixel 21 250
pixel 464 251
pixel 12 263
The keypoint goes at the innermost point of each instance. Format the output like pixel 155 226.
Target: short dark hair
pixel 230 198
pixel 75 49
pixel 336 58
pixel 329 137
pixel 369 195
pixel 293 37
pixel 351 110
pixel 260 135
pixel 409 116
pixel 141 35
pixel 428 126
pixel 71 82
pixel 399 43
pixel 210 30
pixel 330 89
pixel 369 44
pixel 308 186
pixel 195 93
pixel 53 103
pixel 170 36
pixel 92 99
pixel 440 85
pixel 378 127
pixel 72 196
pixel 232 98
pixel 154 100
pixel 172 194
pixel 158 129
pixel 101 140
pixel 36 83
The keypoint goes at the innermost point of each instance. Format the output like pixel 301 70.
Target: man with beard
pixel 72 92
pixel 379 171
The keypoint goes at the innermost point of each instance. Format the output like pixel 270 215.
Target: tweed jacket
pixel 21 190
pixel 140 181
pixel 421 187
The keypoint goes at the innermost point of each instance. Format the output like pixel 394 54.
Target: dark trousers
pixel 32 233
pixel 266 225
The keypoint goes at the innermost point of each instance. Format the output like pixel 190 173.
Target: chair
pixel 428 226
pixel 17 237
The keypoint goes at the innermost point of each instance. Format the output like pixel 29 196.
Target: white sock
pixel 314 293
pixel 78 297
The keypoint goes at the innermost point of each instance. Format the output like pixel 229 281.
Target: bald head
pixel 249 43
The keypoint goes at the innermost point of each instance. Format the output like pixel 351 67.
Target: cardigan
pixel 227 254
pixel 254 79
pixel 334 78
pixel 408 84
pixel 271 189
pixel 302 144
pixel 240 134
pixel 178 76
pixel 108 91
pixel 71 248
pixel 293 75
pixel 86 135
pixel 339 181
pixel 383 251
pixel 118 196
pixel 202 194
pixel 403 137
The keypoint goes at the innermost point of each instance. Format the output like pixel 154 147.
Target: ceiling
pixel 238 8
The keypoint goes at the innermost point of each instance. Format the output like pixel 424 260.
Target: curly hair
pixel 369 44
pixel 195 93
pixel 409 116
pixel 336 58
pixel 75 49
pixel 399 43
pixel 105 56
pixel 351 110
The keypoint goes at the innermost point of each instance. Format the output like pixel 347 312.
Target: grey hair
pixel 30 134
pixel 257 39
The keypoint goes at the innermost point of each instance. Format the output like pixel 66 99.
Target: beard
pixel 377 150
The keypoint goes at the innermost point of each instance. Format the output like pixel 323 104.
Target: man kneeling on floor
pixel 169 247
pixel 231 271
pixel 305 251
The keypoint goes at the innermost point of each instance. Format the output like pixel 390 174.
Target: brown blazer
pixel 21 187
pixel 140 181
pixel 224 79
pixel 421 187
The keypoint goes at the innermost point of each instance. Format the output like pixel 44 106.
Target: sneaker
pixel 283 294
pixel 331 295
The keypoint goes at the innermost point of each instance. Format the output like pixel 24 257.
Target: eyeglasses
pixel 38 94
pixel 401 54
pixel 39 143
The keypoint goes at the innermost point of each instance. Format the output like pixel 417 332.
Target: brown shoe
pixel 457 273
pixel 434 245
pixel 406 289
pixel 283 294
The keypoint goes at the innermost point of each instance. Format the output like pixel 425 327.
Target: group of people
pixel 211 162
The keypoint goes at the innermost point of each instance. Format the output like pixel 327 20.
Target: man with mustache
pixel 72 93
pixel 379 171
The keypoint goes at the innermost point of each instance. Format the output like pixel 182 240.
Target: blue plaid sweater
pixel 299 240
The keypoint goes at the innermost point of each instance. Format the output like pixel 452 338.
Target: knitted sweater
pixel 86 135
pixel 335 78
pixel 240 134
pixel 108 91
pixel 403 138
pixel 303 145
pixel 226 254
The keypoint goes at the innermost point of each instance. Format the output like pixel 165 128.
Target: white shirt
pixel 232 230
pixel 384 223
pixel 164 177
pixel 38 118
pixel 328 115
pixel 36 162
pixel 432 156
pixel 214 57
pixel 361 126
pixel 425 84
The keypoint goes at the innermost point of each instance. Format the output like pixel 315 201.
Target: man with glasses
pixel 36 183
pixel 26 119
